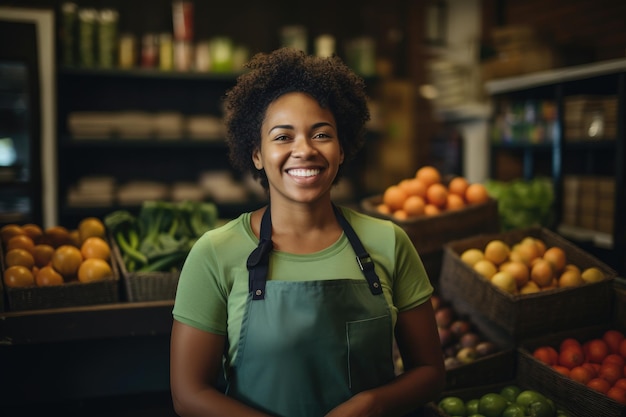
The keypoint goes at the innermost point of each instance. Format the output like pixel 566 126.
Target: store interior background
pixel 412 129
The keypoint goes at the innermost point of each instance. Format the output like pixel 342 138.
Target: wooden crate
pixel 581 401
pixel 523 316
pixel 145 286
pixel 70 294
pixel 430 234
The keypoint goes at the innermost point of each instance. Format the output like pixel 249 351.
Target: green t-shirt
pixel 213 286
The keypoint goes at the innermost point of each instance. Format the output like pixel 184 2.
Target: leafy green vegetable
pixel 162 234
pixel 522 203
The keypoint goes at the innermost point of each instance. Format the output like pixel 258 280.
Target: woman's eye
pixel 281 138
pixel 321 135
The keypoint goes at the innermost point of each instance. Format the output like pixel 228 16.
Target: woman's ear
pixel 341 156
pixel 256 159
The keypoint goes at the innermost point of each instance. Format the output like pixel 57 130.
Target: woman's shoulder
pixel 362 220
pixel 231 230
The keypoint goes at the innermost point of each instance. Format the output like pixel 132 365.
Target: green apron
pixel 306 347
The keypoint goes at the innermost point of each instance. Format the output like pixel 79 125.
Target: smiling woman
pixel 256 295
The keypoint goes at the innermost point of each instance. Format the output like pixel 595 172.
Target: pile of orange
pixel 598 363
pixel 34 256
pixel 426 195
pixel 528 266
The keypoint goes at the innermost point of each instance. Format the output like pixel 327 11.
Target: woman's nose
pixel 303 147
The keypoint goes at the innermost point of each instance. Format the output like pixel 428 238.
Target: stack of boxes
pixel 589 202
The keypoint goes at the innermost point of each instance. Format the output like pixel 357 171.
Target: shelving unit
pixel 561 157
pixel 180 159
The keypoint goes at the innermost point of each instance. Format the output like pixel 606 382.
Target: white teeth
pixel 304 172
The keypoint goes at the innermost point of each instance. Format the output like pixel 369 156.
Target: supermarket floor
pixel 142 405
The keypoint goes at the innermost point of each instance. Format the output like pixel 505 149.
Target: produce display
pixel 527 266
pixel 598 363
pixel 161 235
pixel 55 256
pixel 425 194
pixel 460 341
pixel 523 203
pixel 509 401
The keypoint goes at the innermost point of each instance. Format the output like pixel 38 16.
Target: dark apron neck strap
pixel 258 261
pixel 363 258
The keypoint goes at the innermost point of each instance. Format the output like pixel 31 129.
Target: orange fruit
pixel 529 288
pixel 394 197
pixel 571 357
pixel 527 251
pixel 94 269
pixel 414 206
pixel 599 384
pixel 383 209
pixel 66 259
pixel 519 270
pixel 497 251
pixel 471 256
pixel 437 195
pixel 91 226
pixel 431 210
pixel 476 193
pixel 33 231
pixel 9 230
pixel 557 258
pixel 429 175
pixel 570 278
pixel 455 202
pixel 541 272
pixel 413 186
pixel 580 374
pixel 21 242
pixel 618 394
pixel 20 257
pixel 486 268
pixel 400 214
pixel 458 186
pixel 56 236
pixel 546 354
pixel 95 247
pixel 613 338
pixel 592 369
pixel 47 276
pixel 42 254
pixel 18 276
pixel 611 372
pixel 596 350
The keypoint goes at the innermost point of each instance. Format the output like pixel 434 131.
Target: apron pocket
pixel 369 365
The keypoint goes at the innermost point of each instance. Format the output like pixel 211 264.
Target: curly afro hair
pixel 328 80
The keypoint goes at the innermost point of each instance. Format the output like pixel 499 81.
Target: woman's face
pixel 299 150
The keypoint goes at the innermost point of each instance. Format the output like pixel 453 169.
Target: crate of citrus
pixel 528 282
pixel 434 211
pixel 57 267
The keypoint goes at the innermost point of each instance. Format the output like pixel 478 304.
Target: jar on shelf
pixel 107 37
pixel 86 37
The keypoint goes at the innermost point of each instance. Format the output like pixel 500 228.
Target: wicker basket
pixel 71 294
pixel 491 369
pixel 430 234
pixel 145 286
pixel 581 400
pixel 476 391
pixel 536 314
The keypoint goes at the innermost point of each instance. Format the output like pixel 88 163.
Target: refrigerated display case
pixel 27 117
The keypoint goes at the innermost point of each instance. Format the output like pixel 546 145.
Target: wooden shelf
pixel 102 321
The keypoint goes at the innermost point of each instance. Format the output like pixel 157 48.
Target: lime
pixel 540 409
pixel 510 392
pixel 453 406
pixel 471 407
pixel 476 415
pixel 513 410
pixel 526 397
pixel 492 404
